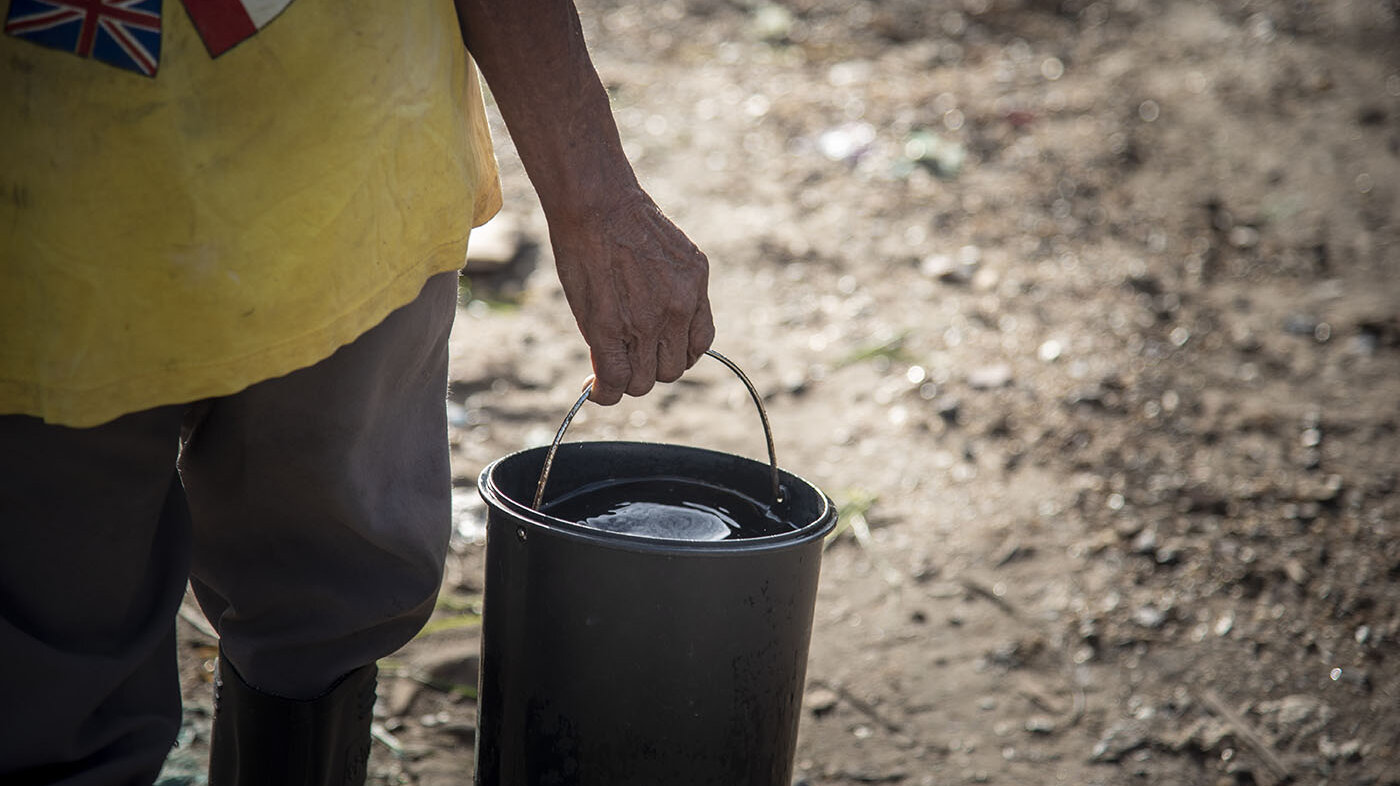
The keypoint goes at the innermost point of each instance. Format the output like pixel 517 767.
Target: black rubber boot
pixel 264 740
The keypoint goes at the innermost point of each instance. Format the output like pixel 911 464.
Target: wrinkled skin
pixel 638 290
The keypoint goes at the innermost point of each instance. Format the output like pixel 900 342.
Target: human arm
pixel 636 284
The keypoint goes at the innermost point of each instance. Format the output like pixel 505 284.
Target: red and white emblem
pixel 224 23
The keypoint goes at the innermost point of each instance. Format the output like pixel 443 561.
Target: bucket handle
pixel 588 389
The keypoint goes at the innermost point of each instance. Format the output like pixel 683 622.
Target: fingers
pixel 635 367
pixel 612 373
pixel 643 359
pixel 671 357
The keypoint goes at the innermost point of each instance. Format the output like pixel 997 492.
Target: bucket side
pixel 605 666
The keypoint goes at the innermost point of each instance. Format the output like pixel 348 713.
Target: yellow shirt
pixel 229 219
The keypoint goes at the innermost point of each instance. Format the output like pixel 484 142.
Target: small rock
pixel 1040 724
pixel 1207 735
pixel 948 270
pixel 494 245
pixel 948 407
pixel 1295 571
pixel 1326 490
pixel 772 22
pixel 1118 741
pixel 985 280
pixel 1093 397
pixel 1128 527
pixel 1145 542
pixel 941 156
pixel 1346 751
pixel 820 701
pixel 848 142
pixel 1150 616
pixel 1013 553
pixel 1169 553
pixel 1244 236
pixel 435 719
pixel 990 377
pixel 1296 715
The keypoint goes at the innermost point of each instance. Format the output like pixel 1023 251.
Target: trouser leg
pixel 321 504
pixel 92 569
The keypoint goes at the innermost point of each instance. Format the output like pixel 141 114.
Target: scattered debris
pixel 1247 734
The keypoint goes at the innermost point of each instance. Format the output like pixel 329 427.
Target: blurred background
pixel 1088 316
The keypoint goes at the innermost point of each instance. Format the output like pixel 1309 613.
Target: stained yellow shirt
pixel 233 218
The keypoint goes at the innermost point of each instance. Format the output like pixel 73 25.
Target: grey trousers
pixel 310 512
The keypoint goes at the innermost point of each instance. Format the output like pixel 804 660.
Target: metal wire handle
pixel 588 389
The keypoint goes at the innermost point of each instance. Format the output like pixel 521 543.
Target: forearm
pixel 635 282
pixel 552 101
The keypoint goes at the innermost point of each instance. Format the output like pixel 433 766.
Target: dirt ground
pixel 1088 316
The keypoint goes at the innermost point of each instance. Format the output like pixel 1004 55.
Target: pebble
pixel 494 245
pixel 941 156
pixel 848 142
pixel 436 719
pixel 1169 553
pixel 772 22
pixel 1244 236
pixel 948 407
pixel 947 269
pixel 1145 542
pixel 1296 713
pixel 986 279
pixel 1118 741
pixel 1346 751
pixel 1295 571
pixel 1150 616
pixel 1094 397
pixel 990 377
pixel 821 700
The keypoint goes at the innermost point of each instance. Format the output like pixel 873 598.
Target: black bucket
pixel 611 659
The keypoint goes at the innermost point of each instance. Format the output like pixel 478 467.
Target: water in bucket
pixel 667 509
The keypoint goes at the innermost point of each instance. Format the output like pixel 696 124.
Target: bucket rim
pixel 494 497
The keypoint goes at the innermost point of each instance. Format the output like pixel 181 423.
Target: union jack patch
pixel 123 33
